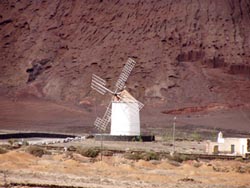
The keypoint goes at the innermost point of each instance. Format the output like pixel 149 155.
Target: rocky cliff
pixel 188 52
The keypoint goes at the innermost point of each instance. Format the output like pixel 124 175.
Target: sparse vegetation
pixel 162 163
pixel 37 151
pixel 88 152
pixel 151 155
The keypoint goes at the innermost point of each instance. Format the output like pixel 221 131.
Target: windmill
pixel 123 109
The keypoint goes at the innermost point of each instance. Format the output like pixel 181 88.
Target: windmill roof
pixel 126 97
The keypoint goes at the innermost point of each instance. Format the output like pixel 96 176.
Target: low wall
pixel 142 138
pixel 34 135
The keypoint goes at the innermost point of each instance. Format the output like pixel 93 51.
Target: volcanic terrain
pixel 193 62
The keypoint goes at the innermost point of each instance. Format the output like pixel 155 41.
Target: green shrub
pixel 197 165
pixel 147 156
pixel 25 143
pixel 243 169
pixel 71 148
pixel 239 159
pixel 174 163
pixel 133 156
pixel 178 157
pixel 168 136
pixel 107 153
pixel 221 169
pixel 88 152
pixel 187 179
pixel 37 151
pixel 196 136
pixel 137 139
pixel 150 156
pixel 12 141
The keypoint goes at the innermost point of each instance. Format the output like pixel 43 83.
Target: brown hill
pixel 188 53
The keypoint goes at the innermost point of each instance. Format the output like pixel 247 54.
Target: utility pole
pixel 174 134
pixel 102 132
pixel 101 144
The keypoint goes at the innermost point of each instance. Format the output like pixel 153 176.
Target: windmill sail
pixel 102 123
pixel 125 74
pixel 98 84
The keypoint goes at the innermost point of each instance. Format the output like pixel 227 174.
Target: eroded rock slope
pixel 188 53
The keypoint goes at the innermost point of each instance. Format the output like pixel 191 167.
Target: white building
pixel 229 146
pixel 125 116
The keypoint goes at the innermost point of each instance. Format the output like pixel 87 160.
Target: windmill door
pixel 232 148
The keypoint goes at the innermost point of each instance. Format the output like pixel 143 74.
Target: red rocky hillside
pixel 189 54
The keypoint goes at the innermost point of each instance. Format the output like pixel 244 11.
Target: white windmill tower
pixel 123 110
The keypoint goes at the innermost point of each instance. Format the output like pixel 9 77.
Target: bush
pixel 196 136
pixel 187 179
pixel 243 169
pixel 221 169
pixel 107 153
pixel 174 163
pixel 71 148
pixel 150 156
pixel 12 141
pixel 197 165
pixel 37 151
pixel 181 157
pixel 137 139
pixel 88 152
pixel 25 143
pixel 239 159
pixel 133 156
pixel 168 136
pixel 2 150
pixel 147 156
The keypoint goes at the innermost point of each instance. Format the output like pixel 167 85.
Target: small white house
pixel 229 146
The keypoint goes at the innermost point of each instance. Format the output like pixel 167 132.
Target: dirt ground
pixel 47 116
pixel 72 169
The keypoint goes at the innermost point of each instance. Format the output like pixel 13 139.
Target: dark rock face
pixel 38 67
pixel 187 52
pixel 240 69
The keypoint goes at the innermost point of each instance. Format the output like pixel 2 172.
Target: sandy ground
pixel 72 169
